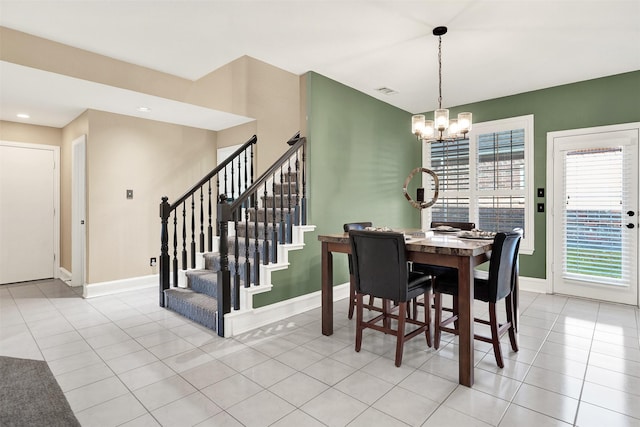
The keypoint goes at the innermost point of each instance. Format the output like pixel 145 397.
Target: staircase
pixel 255 231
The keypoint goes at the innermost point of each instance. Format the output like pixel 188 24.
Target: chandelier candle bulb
pixel 464 122
pixel 441 116
pixel 417 124
pixel 454 129
pixel 429 129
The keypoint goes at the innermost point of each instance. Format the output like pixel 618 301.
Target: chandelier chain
pixel 439 71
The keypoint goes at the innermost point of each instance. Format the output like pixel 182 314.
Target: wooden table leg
pixel 327 290
pixel 465 320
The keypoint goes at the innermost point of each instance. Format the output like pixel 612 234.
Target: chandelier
pixel 440 129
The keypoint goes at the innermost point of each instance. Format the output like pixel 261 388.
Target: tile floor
pixel 123 361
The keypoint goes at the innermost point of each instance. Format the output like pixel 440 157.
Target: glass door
pixel 595 217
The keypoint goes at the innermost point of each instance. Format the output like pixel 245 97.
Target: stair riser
pixel 283 202
pixel 241 230
pixel 280 215
pixel 213 263
pixel 286 189
pixel 252 249
pixel 204 316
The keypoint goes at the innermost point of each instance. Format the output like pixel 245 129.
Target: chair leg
pixel 436 320
pixel 509 302
pixel 455 311
pixel 359 322
pixel 427 316
pixel 386 310
pixel 352 295
pixel 402 317
pixel 495 338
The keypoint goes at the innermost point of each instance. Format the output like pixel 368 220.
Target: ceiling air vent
pixel 386 91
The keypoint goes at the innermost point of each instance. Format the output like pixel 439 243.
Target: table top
pixel 438 243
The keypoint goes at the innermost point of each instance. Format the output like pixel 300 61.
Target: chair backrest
pixel 466 226
pixel 356 226
pixel 503 264
pixel 380 263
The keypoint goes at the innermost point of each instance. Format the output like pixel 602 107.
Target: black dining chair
pixel 381 270
pixel 436 270
pixel 352 287
pixel 503 267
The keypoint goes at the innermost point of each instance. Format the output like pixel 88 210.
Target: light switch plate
pixel 129 194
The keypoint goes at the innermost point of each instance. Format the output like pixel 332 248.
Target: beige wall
pixel 30 134
pixel 153 159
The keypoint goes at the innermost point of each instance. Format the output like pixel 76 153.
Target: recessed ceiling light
pixel 144 109
pixel 23 115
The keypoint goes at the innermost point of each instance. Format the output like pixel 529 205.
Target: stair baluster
pixel 210 228
pixel 201 221
pixel 175 248
pixel 164 248
pixel 184 236
pixel 265 237
pixel 296 212
pixel 193 232
pixel 275 229
pixel 289 222
pixel 256 249
pixel 281 231
pixel 303 202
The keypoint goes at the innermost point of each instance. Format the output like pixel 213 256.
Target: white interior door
pixel 595 214
pixel 27 213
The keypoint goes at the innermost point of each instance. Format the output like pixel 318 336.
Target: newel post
pixel 165 211
pixel 224 275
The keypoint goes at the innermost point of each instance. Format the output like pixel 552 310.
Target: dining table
pixel 429 247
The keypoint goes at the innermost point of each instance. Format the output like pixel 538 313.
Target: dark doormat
pixel 31 396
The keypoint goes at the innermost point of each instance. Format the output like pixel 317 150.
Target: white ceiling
pixel 493 48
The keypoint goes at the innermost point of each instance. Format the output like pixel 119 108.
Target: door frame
pixel 550 196
pixel 78 211
pixel 56 195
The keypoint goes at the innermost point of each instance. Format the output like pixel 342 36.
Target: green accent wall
pixel 361 150
pixel 599 102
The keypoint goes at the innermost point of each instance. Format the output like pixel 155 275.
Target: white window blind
pixel 486 179
pixel 593 217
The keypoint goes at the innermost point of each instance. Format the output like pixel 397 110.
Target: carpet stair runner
pixel 197 299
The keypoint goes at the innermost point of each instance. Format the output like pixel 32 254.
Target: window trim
pixel 526 122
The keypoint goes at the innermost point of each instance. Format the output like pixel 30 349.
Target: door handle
pixel 631 213
pixel 631 225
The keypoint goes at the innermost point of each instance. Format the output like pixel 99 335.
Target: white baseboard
pixel 64 275
pixel 239 322
pixel 533 284
pixel 99 289
pixel 236 323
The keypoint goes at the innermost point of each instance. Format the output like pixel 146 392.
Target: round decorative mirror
pixel 421 204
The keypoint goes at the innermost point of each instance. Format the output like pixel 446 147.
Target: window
pixel 488 178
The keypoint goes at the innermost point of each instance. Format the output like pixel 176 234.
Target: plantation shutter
pixel 596 246
pixel 500 177
pixel 450 161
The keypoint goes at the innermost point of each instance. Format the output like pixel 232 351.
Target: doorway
pixel 29 200
pixel 78 211
pixel 592 228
